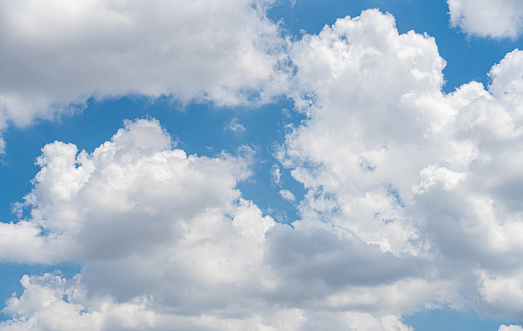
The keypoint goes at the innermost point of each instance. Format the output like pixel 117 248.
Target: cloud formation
pixel 413 202
pixel 510 328
pixel 389 158
pixel 487 18
pixel 166 241
pixel 56 55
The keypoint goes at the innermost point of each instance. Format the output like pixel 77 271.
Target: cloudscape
pixel 261 165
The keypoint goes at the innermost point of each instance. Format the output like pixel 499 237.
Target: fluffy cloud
pixel 111 195
pixel 58 304
pixel 173 224
pixel 131 197
pixel 55 55
pixel 487 18
pixel 358 81
pixel 390 159
pixel 510 328
pixel 166 240
pixel 287 195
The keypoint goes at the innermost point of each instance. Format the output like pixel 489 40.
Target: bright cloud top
pixel 488 18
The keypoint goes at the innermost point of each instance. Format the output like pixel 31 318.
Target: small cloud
pixel 286 113
pixel 503 327
pixel 287 195
pixel 235 126
pixel 276 175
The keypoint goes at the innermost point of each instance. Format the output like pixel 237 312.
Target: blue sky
pixel 261 165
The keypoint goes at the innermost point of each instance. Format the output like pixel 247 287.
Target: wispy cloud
pixel 235 126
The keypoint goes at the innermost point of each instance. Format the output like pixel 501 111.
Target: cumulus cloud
pixel 133 198
pixel 166 239
pixel 99 205
pixel 510 328
pixel 389 158
pixel 59 304
pixel 356 81
pixel 287 195
pixel 56 55
pixel 487 18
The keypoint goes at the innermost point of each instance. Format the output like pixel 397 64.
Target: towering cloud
pixel 389 158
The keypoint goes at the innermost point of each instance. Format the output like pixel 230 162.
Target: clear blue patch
pixel 392 191
pixel 452 320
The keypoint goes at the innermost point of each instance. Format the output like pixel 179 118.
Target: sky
pixel 261 165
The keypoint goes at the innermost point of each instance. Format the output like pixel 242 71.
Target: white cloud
pixel 51 302
pixel 503 293
pixel 59 304
pixel 2 145
pixel 389 158
pixel 433 174
pixel 193 252
pixel 503 327
pixel 134 198
pixel 356 80
pixel 287 195
pixel 96 206
pixel 56 55
pixel 276 175
pixel 235 126
pixel 487 18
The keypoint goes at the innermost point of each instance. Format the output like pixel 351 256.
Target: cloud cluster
pixel 167 242
pixel 413 199
pixel 56 55
pixel 487 18
pixel 148 222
